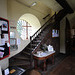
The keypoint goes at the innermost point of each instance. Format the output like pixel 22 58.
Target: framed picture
pixel 13 44
pixel 4 38
pixel 12 34
pixel 4 25
pixel 13 47
pixel 55 33
pixel 12 41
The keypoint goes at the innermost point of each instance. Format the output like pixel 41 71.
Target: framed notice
pixel 12 41
pixel 4 37
pixel 12 34
pixel 55 33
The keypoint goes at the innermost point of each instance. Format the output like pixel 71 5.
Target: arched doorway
pixel 27 25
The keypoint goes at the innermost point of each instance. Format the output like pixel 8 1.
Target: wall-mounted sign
pixel 4 38
pixel 55 33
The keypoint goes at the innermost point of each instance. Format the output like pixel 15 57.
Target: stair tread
pixel 25 66
pixel 25 52
pixel 37 41
pixel 17 63
pixel 27 56
pixel 41 35
pixel 45 31
pixel 30 48
pixel 34 44
pixel 21 57
pixel 17 55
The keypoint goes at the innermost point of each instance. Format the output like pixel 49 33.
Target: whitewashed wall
pixel 3 13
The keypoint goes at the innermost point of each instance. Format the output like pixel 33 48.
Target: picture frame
pixel 13 44
pixel 4 25
pixel 12 41
pixel 12 34
pixel 55 33
pixel 13 47
pixel 4 33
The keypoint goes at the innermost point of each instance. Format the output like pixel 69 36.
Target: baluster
pixel 30 38
pixel 35 35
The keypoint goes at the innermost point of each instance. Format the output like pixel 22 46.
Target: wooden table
pixel 43 56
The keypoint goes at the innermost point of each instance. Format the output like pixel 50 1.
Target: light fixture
pixel 33 4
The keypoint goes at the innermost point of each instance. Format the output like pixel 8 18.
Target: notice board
pixel 4 38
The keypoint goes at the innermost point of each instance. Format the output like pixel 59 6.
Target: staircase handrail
pixel 41 28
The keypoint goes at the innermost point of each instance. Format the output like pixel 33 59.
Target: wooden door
pixel 68 37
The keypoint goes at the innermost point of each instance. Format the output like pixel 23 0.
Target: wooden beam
pixel 65 5
pixel 46 16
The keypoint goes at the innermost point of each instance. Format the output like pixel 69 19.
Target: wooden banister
pixel 41 28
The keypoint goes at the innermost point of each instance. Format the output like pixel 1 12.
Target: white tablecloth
pixel 44 54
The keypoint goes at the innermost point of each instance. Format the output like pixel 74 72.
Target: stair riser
pixel 21 59
pixel 27 50
pixel 26 55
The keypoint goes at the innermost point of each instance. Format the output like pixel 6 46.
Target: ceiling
pixel 71 3
pixel 50 3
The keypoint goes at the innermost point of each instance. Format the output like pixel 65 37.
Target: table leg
pixel 44 65
pixel 35 64
pixel 53 59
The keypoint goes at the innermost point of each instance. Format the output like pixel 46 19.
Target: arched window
pixel 24 29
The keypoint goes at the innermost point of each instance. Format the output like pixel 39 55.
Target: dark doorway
pixel 68 37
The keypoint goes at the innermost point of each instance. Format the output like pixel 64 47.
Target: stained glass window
pixel 24 29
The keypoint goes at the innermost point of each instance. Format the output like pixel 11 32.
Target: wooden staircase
pixel 24 59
